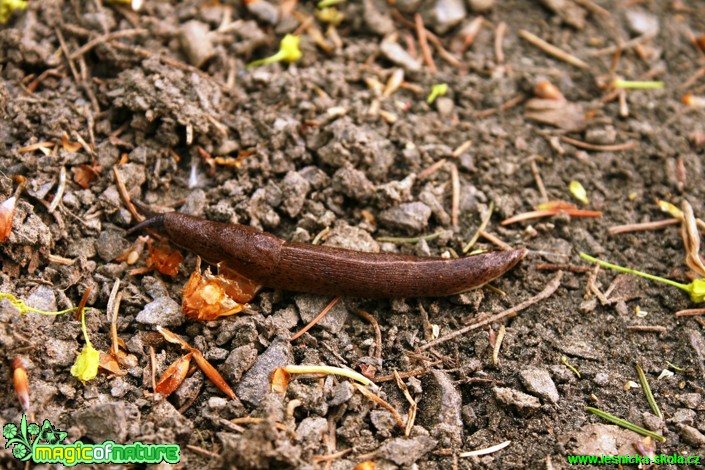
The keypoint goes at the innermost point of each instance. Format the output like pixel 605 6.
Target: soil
pixel 316 144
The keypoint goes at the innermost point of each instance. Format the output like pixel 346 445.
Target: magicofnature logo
pixel 44 445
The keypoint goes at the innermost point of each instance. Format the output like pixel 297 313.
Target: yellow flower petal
pixel 86 366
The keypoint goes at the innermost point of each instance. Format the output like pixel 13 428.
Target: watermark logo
pixel 44 444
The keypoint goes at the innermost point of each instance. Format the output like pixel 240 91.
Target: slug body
pixel 301 267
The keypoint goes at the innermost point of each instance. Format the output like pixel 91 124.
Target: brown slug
pixel 300 267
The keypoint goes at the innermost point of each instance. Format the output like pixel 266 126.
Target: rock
pixel 569 12
pixel 683 416
pixel 196 43
pixel 162 311
pixel 652 422
pixel 601 439
pixel 601 379
pixel 690 400
pixel 111 244
pixel 539 382
pixel 263 11
pixel 341 393
pixel 440 409
pixel 310 431
pixel 351 238
pixel 294 190
pixel 82 247
pixel 239 361
pixel 445 14
pixel 480 6
pixel 398 55
pixel 311 305
pixel 640 21
pixel 59 353
pixel 164 415
pixel 377 17
pixel 188 389
pixel 515 398
pixel 256 382
pixel 405 452
pixel 195 203
pixel 411 217
pixel 691 435
pixel 601 136
pixel 353 183
pixel 106 421
pixel 445 106
pixel 383 421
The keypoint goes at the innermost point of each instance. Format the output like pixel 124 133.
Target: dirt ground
pixel 335 147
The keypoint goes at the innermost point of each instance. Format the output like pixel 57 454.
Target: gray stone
pixel 690 400
pixel 111 244
pixel 294 190
pixel 59 353
pixel 264 11
pixel 398 55
pixel 120 387
pixel 195 203
pixel 640 21
pixel 683 416
pixel 411 217
pixel 239 360
pixel 440 409
pixel 445 14
pixel 445 106
pixel 188 389
pixel 480 6
pixel 310 431
pixel 404 451
pixel 377 17
pixel 515 398
pixel 256 382
pixel 601 379
pixel 102 422
pixel 341 393
pixel 601 135
pixel 539 382
pixel 82 247
pixel 601 439
pixel 383 421
pixel 691 435
pixel 311 305
pixel 353 183
pixel 163 311
pixel 351 238
pixel 164 415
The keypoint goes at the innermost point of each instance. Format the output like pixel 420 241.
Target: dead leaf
pixel 280 381
pixel 173 376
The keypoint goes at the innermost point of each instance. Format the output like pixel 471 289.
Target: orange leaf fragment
pixel 173 376
pixel 69 146
pixel 555 206
pixel 366 465
pixel 280 380
pixel 84 175
pixel 213 374
pixel 7 212
pixel 164 259
pixel 108 363
pixel 207 296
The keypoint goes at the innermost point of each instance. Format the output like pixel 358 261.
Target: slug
pixel 300 267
